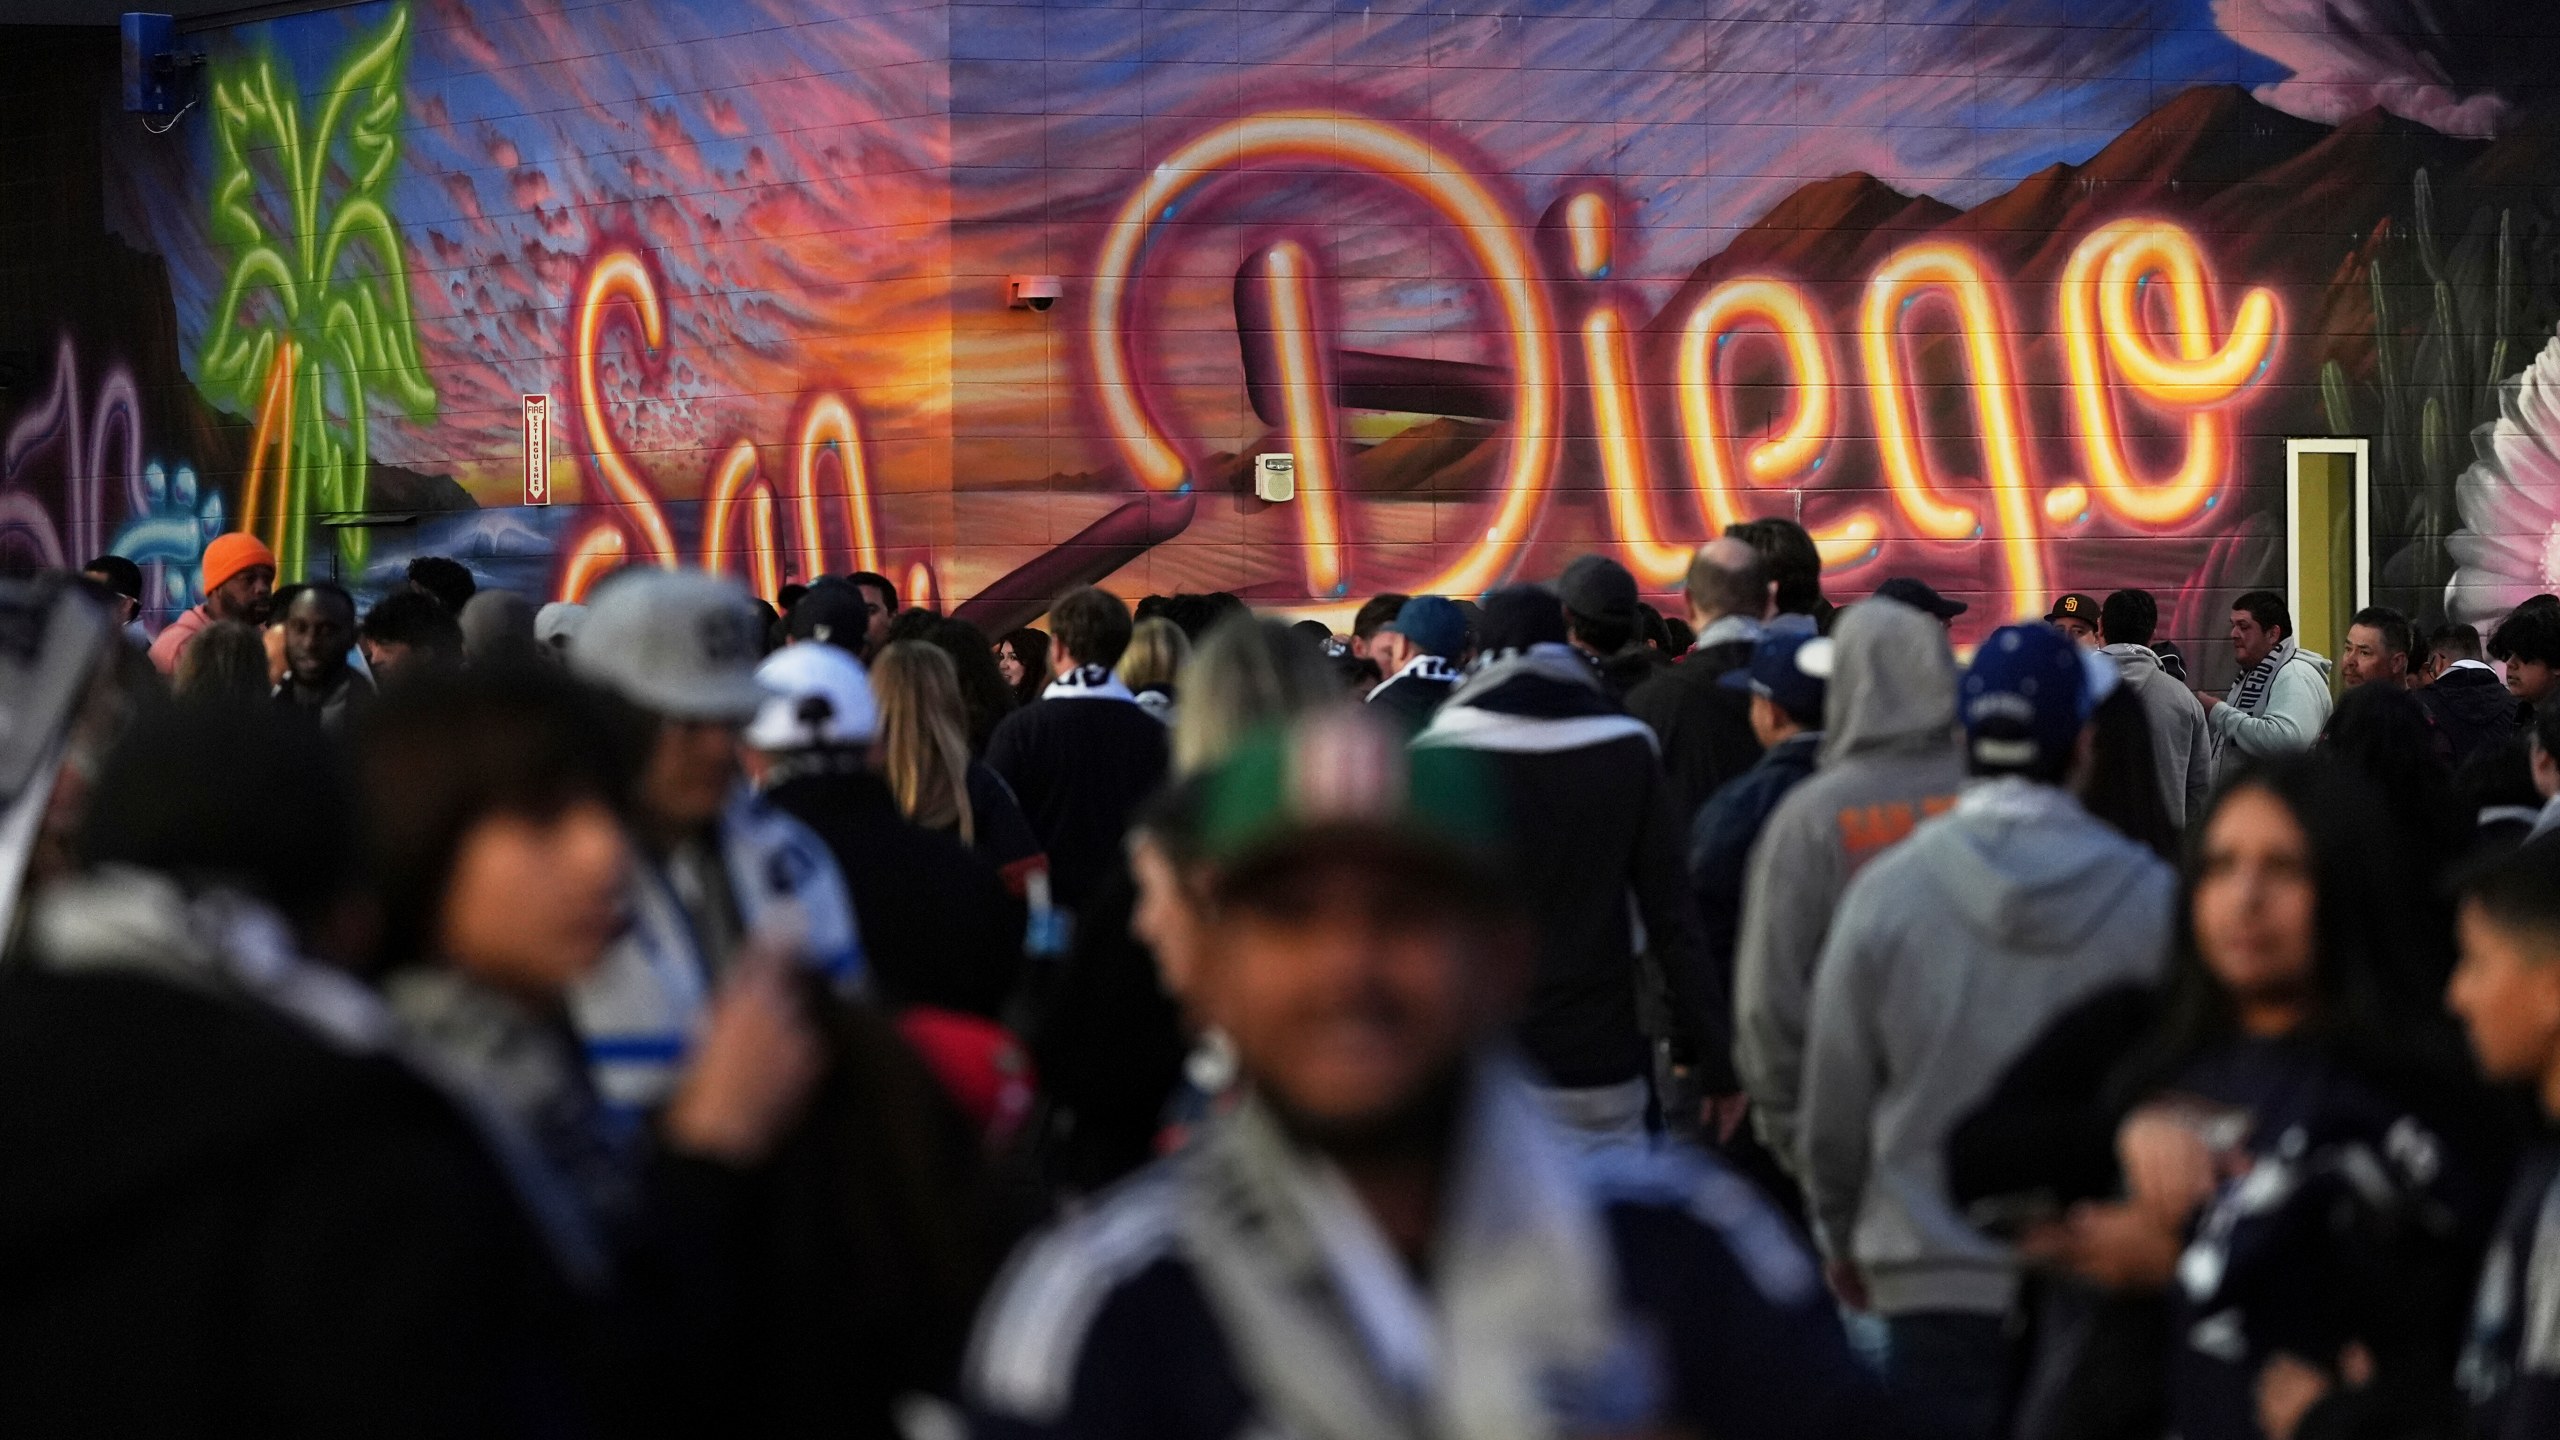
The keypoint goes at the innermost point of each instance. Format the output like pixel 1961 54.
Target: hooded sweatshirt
pixel 1949 957
pixel 1889 760
pixel 2285 718
pixel 1600 855
pixel 2471 709
pixel 2181 741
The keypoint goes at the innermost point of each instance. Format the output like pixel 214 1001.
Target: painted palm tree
pixel 314 320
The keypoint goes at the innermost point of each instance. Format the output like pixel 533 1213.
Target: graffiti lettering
pixel 2101 289
pixel 58 424
pixel 1306 391
pixel 620 275
pixel 1797 451
pixel 827 428
pixel 2106 330
pixel 1958 275
pixel 1356 142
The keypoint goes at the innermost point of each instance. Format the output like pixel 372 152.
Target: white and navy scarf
pixel 1538 701
pixel 1426 667
pixel 1088 682
pixel 2250 694
pixel 1519 1333
pixel 637 1012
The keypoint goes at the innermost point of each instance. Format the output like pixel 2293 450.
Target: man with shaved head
pixel 1705 728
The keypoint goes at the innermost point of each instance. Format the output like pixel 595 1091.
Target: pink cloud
pixel 2349 56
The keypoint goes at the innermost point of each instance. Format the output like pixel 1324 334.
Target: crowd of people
pixel 691 1013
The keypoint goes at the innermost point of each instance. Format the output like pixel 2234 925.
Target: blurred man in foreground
pixel 1388 1238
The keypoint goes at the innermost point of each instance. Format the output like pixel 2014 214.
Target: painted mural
pixel 2016 297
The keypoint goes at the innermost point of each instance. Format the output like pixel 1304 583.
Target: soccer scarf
pixel 1519 1334
pixel 1088 682
pixel 1537 701
pixel 1427 667
pixel 638 1011
pixel 2254 687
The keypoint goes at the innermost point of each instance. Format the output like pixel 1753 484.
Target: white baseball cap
pixel 557 624
pixel 817 695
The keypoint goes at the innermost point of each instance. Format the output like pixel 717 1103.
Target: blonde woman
pixel 923 753
pixel 1247 674
pixel 1157 651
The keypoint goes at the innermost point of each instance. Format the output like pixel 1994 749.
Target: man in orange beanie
pixel 239 574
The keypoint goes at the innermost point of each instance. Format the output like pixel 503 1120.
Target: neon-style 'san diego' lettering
pixel 1959 275
pixel 1406 161
pixel 1306 403
pixel 2102 318
pixel 620 275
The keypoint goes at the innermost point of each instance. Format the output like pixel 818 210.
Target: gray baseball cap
pixel 676 643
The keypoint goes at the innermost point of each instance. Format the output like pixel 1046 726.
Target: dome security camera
pixel 1034 292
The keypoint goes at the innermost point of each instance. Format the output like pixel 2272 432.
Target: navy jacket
pixel 1113 1316
pixel 1720 854
pixel 2511 1369
pixel 2470 711
pixel 1411 700
pixel 2361 1218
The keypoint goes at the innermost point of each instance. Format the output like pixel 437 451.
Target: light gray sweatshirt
pixel 1949 957
pixel 2296 708
pixel 1888 761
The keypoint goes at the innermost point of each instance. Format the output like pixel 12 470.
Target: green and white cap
pixel 1341 781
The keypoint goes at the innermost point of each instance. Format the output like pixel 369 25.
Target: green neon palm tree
pixel 314 320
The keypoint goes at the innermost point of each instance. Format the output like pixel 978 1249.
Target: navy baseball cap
pixel 1793 670
pixel 2027 694
pixel 1434 624
pixel 1922 596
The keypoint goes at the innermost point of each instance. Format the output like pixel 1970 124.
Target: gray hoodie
pixel 1889 760
pixel 2181 741
pixel 1949 957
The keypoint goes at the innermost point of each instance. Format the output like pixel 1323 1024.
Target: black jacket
pixel 865 1245
pixel 1705 729
pixel 2506 1366
pixel 2471 711
pixel 2367 1206
pixel 212 1223
pixel 937 924
pixel 1411 700
pixel 1108 1044
pixel 1627 668
pixel 1081 767
pixel 1589 826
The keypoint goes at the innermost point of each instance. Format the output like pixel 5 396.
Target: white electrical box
pixel 1275 478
